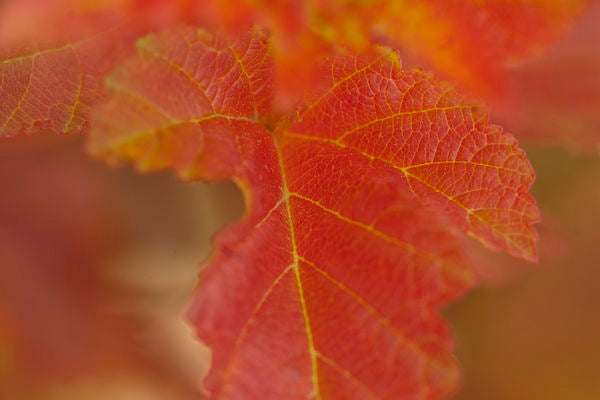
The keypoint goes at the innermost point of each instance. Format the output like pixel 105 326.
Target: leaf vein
pixel 457 270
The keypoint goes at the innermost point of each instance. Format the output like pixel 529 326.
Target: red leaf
pixel 55 53
pixel 50 80
pixel 55 88
pixel 331 284
pixel 473 42
pixel 469 41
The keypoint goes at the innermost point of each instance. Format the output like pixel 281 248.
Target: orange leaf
pixel 470 41
pixel 50 75
pixel 54 55
pixel 473 42
pixel 330 286
pixel 54 88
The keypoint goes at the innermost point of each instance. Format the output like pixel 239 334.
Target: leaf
pixel 469 41
pixel 473 42
pixel 54 88
pixel 49 80
pixel 331 284
pixel 54 57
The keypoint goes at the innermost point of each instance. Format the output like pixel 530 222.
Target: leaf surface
pixel 331 284
pixel 51 70
pixel 54 88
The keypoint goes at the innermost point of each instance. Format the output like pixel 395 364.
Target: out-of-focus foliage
pixel 97 268
pixel 555 98
pixel 471 42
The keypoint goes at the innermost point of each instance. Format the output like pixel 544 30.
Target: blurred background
pixel 531 331
pixel 98 264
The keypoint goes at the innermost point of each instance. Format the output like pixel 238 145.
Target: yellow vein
pixel 78 95
pixel 457 270
pixel 372 157
pixel 311 345
pixel 245 72
pixel 348 375
pixel 60 48
pixel 39 53
pixel 180 69
pixel 450 162
pixel 345 79
pixel 399 114
pixel 469 211
pixel 118 87
pixel 268 214
pixel 246 328
pixel 522 214
pixel 20 103
pixel 173 122
pixel 385 321
pixel 137 135
pixel 407 173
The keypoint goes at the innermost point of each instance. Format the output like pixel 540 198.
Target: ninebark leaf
pixel 52 82
pixel 330 286
pixel 54 55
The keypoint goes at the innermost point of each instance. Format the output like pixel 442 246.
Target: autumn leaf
pixel 473 42
pixel 56 52
pixel 331 284
pixel 54 55
pixel 54 88
pixel 50 80
pixel 469 41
